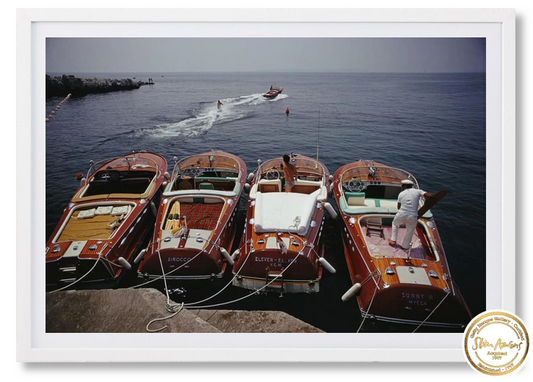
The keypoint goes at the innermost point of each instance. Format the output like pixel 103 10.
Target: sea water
pixel 432 125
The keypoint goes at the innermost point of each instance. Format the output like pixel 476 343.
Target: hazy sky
pixel 92 55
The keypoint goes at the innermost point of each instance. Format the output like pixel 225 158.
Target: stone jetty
pixel 68 84
pixel 131 310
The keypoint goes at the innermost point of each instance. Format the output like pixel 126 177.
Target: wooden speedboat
pixel 196 223
pixel 273 92
pixel 104 226
pixel 282 244
pixel 393 285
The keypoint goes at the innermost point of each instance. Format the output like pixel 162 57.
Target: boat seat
pixel 135 185
pixel 269 185
pixel 355 198
pixel 206 186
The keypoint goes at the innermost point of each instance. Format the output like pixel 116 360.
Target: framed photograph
pixel 361 101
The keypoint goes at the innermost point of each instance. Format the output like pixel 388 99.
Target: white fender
pixel 122 261
pixel 331 210
pixel 236 254
pixel 139 257
pixel 227 256
pixel 153 208
pixel 250 177
pixel 353 291
pixel 326 265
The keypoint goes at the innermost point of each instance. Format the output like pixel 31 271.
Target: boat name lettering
pixel 417 296
pixel 271 260
pixel 178 259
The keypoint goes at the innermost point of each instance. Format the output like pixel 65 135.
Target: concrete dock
pixel 131 310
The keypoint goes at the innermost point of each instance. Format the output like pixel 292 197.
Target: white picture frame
pixel 34 345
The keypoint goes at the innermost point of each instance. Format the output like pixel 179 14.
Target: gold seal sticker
pixel 496 343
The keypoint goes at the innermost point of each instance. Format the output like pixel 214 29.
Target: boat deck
pixel 379 246
pixel 92 226
pixel 201 215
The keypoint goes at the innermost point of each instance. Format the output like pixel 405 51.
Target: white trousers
pixel 410 225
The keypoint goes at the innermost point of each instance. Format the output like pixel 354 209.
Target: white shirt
pixel 409 199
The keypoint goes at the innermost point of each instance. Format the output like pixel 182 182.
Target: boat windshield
pixel 308 169
pixel 377 174
pixel 119 182
pixel 210 171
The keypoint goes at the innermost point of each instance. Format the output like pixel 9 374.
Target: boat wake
pixel 208 116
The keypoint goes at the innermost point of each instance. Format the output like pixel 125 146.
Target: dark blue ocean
pixel 432 125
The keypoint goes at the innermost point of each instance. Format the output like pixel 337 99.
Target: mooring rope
pixel 163 275
pixel 257 291
pixel 371 301
pixel 169 306
pixel 163 319
pixel 227 285
pixel 433 311
pixel 79 279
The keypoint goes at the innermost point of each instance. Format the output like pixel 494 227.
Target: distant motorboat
pixel 273 92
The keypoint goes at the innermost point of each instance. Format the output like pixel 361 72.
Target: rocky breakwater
pixel 63 85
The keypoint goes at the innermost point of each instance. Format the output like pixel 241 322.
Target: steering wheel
pixel 355 185
pixel 112 176
pixel 272 174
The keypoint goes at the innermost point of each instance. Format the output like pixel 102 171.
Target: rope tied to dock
pixel 172 308
pixel 169 308
pixel 257 291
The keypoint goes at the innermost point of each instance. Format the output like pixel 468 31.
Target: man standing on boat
pixel 291 174
pixel 407 214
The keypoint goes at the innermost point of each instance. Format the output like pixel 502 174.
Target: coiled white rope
pixel 169 306
pixel 180 307
pixel 194 304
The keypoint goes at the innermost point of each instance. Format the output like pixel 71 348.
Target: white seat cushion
pixel 280 211
pixel 86 214
pixel 103 210
pixel 120 210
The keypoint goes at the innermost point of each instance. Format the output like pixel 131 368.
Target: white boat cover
pixel 284 212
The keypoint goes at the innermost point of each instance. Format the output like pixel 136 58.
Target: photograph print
pixel 265 185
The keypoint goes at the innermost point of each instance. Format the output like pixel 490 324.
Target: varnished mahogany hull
pixel 98 259
pixel 192 263
pixel 191 246
pixel 396 286
pixel 263 264
pixel 410 304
